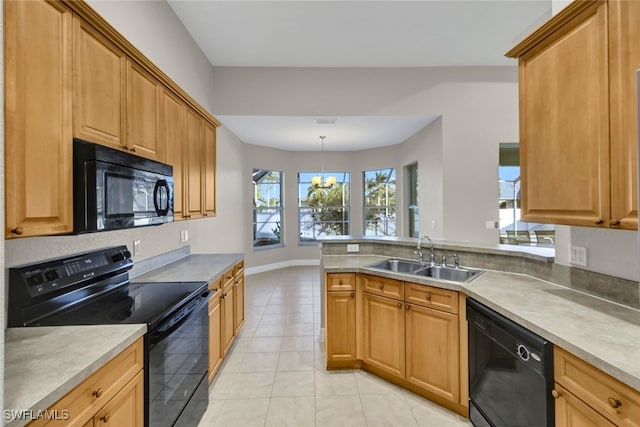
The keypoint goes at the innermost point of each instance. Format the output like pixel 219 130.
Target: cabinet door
pixel 624 60
pixel 384 338
pixel 172 112
pixel 229 329
pixel 99 87
pixel 143 113
pixel 209 169
pixel 215 336
pixel 341 326
pixel 564 124
pixel 126 408
pixel 238 320
pixel 193 165
pixel 38 157
pixel 573 412
pixel 433 351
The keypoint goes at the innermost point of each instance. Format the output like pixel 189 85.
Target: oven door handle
pixel 184 314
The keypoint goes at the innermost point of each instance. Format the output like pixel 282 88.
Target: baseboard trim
pixel 278 265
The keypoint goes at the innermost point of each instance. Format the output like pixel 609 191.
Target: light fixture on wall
pixel 319 181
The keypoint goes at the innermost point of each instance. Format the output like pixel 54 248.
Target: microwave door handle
pixel 161 188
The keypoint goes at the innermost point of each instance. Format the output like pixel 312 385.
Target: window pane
pixel 323 210
pixel 379 202
pixel 267 208
pixel 413 211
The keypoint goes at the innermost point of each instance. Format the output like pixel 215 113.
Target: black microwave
pixel 114 190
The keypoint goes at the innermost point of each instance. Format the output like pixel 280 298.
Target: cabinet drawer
pixel 87 398
pixel 616 401
pixel 382 286
pixel 216 288
pixel 341 281
pixel 427 296
pixel 238 269
pixel 228 277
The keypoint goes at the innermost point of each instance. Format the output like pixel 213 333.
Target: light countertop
pixel 42 364
pixel 192 268
pixel 605 334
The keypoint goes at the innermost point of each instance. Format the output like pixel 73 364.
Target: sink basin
pixel 461 275
pixel 398 265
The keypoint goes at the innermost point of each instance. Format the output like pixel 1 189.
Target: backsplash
pixel 621 291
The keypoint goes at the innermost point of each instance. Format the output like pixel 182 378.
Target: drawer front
pixel 616 401
pixel 238 269
pixel 341 282
pixel 389 288
pixel 228 276
pixel 216 288
pixel 87 398
pixel 428 296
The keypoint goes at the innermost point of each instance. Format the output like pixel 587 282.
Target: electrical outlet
pixel 184 236
pixel 578 255
pixel 491 225
pixel 354 247
pixel 137 247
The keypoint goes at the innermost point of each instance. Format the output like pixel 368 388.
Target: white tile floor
pixel 274 374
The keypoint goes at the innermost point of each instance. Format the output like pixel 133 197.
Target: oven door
pixel 127 197
pixel 178 357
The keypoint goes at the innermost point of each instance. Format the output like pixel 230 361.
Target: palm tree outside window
pixel 379 202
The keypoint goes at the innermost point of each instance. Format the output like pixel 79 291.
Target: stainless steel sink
pixel 452 274
pixel 398 265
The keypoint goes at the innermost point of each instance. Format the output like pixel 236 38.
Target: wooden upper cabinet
pixel 209 169
pixel 172 124
pixel 144 94
pixel 38 157
pixel 624 61
pixel 578 116
pixel 194 163
pixel 99 82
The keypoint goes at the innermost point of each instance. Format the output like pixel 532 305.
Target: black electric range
pixel 94 288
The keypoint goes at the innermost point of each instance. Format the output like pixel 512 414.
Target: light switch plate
pixel 578 255
pixel 353 247
pixel 184 236
pixel 137 247
pixel 491 225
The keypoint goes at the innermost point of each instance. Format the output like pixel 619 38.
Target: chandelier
pixel 319 181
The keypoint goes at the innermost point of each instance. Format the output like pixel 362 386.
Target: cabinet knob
pixel 614 403
pixel 205 214
pixel 17 230
pixel 381 286
pixel 97 393
pixel 105 417
pixel 340 282
pixel 555 394
pixel 614 222
pixel 133 150
pixel 399 305
pixel 353 294
pixel 408 307
pixel 598 221
pixel 428 297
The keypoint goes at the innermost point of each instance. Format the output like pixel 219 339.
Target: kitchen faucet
pixel 432 258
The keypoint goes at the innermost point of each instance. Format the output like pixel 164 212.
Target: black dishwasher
pixel 510 372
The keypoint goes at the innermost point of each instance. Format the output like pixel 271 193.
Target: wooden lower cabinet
pixel 433 351
pixel 383 334
pixel 112 396
pixel 573 412
pixel 341 325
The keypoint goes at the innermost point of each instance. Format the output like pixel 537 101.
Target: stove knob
pixel 117 257
pixel 127 254
pixel 35 280
pixel 51 275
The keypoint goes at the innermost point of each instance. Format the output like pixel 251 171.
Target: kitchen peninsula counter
pixel 603 333
pixel 42 364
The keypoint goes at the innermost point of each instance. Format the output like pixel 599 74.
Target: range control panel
pixel 54 275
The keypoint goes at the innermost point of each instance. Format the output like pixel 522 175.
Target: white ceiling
pixel 352 33
pixel 301 133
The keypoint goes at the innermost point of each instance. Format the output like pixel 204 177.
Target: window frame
pixel 413 204
pixel 278 209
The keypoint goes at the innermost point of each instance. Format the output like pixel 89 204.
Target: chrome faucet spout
pixel 432 257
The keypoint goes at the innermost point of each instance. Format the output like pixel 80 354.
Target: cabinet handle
pixel 105 417
pixel 97 393
pixel 614 403
pixel 598 221
pixel 399 305
pixel 381 286
pixel 555 394
pixel 17 230
pixel 353 294
pixel 614 222
pixel 205 214
pixel 428 297
pixel 133 150
pixel 340 282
